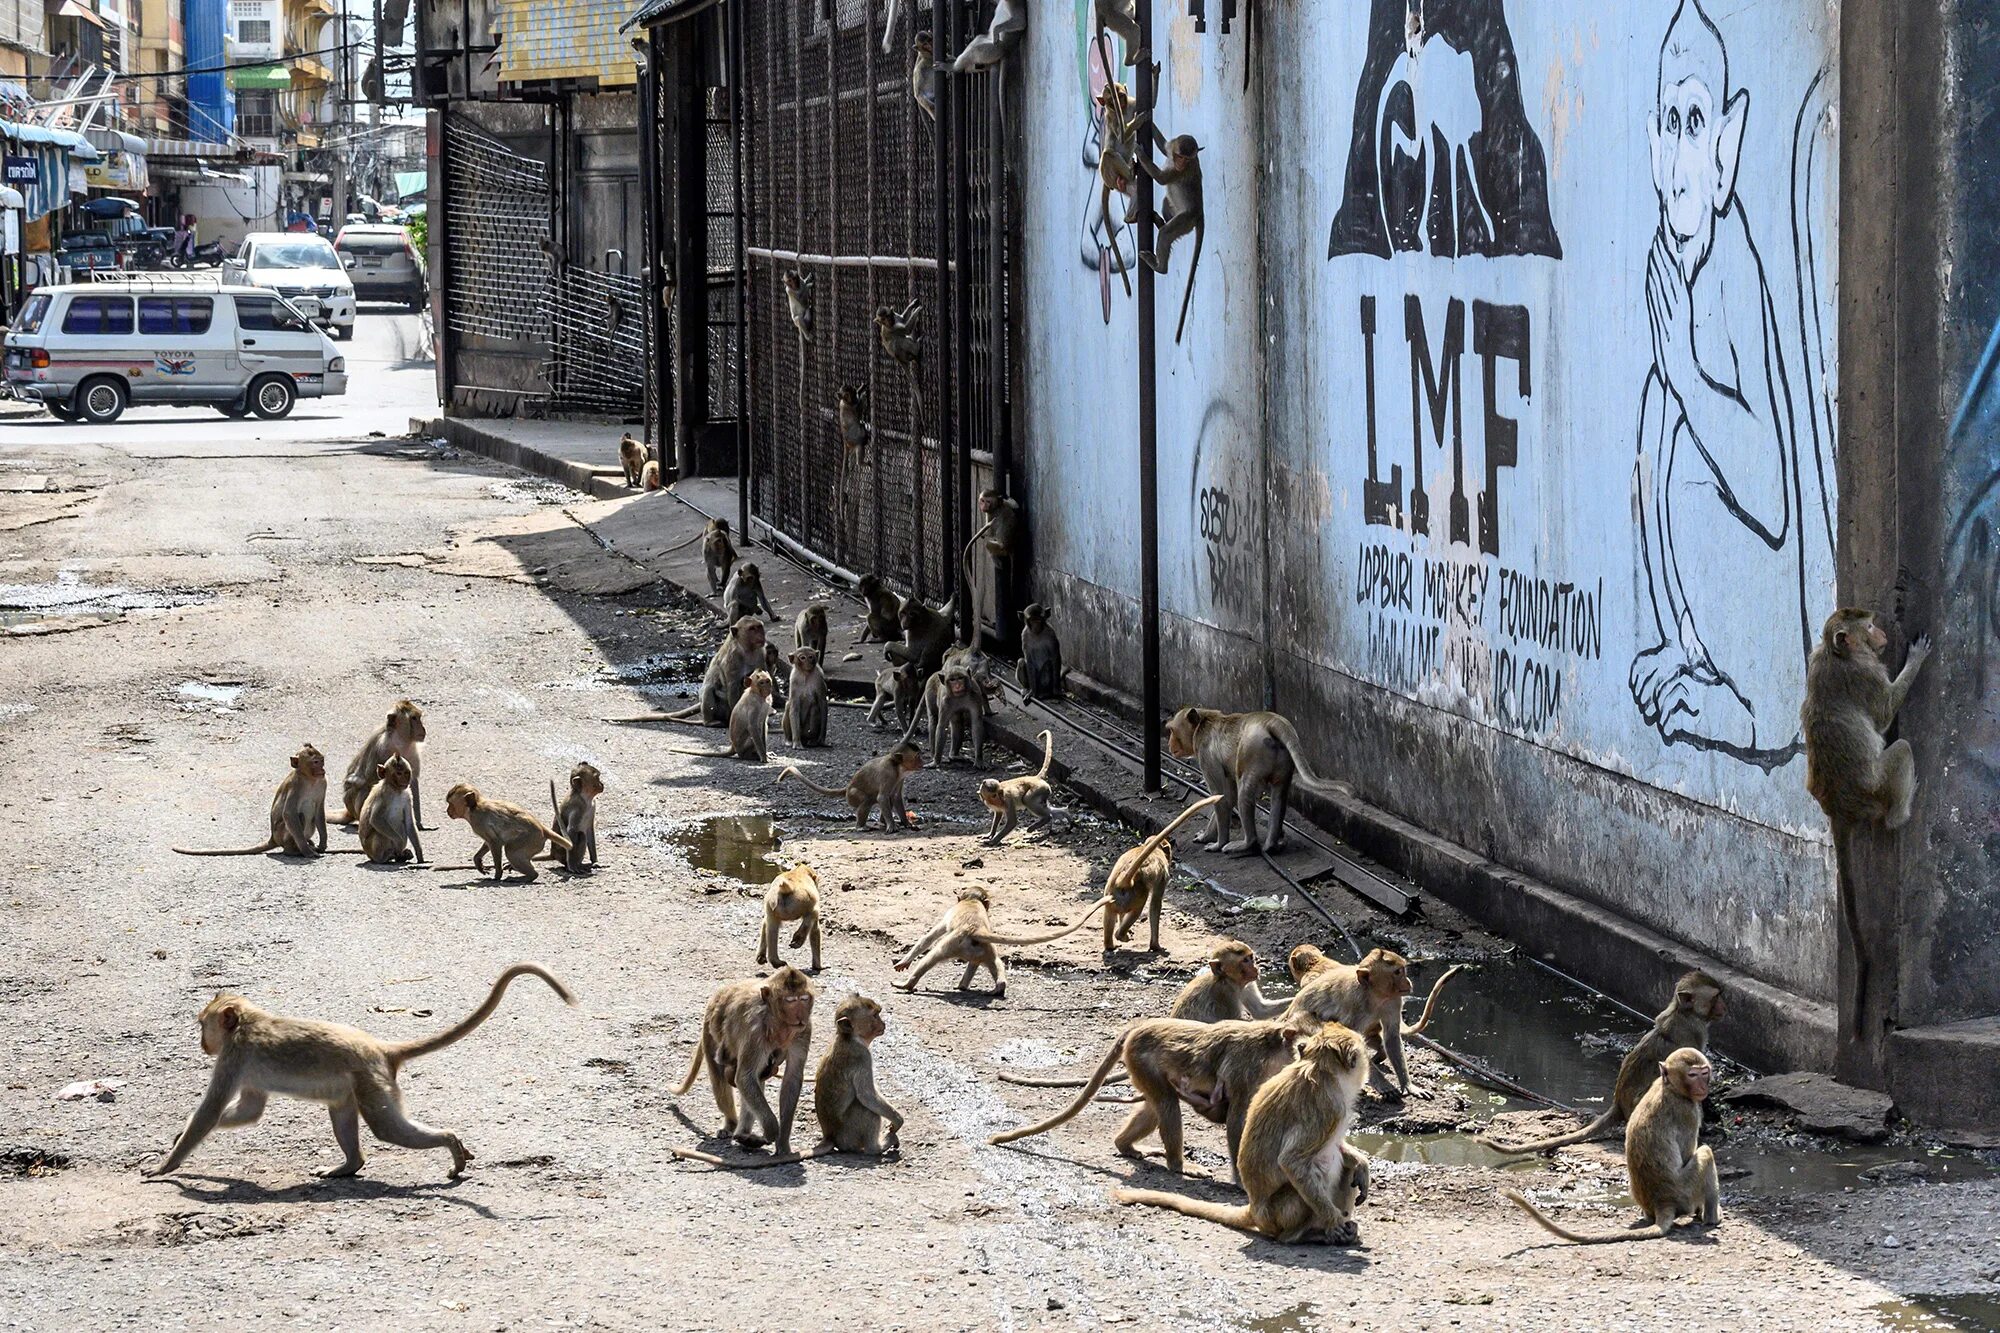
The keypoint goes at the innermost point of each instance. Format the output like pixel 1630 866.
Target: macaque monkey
pixel 1117 162
pixel 1672 1173
pixel 850 416
pixel 749 1029
pixel 1009 797
pixel 1040 670
pixel 1241 754
pixel 983 52
pixel 388 815
pixel 632 455
pixel 576 815
pixel 649 476
pixel 1000 534
pixel 718 557
pixel 878 783
pixel 1121 19
pixel 793 896
pixel 799 300
pixel 399 736
pixel 885 611
pixel 810 630
pixel 508 833
pixel 740 653
pixel 923 74
pixel 905 345
pixel 1850 705
pixel 298 812
pixel 1697 1003
pixel 774 663
pixel 1170 1060
pixel 805 701
pixel 258 1053
pixel 965 935
pixel 1182 180
pixel 744 594
pixel 926 636
pixel 894 687
pixel 1138 881
pixel 749 724
pixel 956 704
pixel 1291 1154
pixel 1367 997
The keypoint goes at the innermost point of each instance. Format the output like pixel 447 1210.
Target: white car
pixel 304 269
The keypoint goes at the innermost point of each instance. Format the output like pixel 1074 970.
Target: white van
pixel 89 350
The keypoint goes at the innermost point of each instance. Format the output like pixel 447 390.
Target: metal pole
pixel 961 328
pixel 1149 452
pixel 950 85
pixel 735 36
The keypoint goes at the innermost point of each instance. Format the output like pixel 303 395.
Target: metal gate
pixel 843 183
pixel 598 322
pixel 496 259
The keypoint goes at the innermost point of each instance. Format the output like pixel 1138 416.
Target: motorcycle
pixel 208 255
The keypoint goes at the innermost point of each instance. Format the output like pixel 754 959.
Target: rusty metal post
pixel 1149 442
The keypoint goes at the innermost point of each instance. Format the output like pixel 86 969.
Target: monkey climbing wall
pixel 842 182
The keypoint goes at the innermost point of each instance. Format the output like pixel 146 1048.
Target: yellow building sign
pixel 564 39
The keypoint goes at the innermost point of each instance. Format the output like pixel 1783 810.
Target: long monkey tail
pixel 1066 1081
pixel 1574 1238
pixel 1595 1129
pixel 789 772
pixel 1090 1087
pixel 260 848
pixel 1238 1215
pixel 1289 734
pixel 694 1068
pixel 410 1050
pixel 1048 740
pixel 1016 942
pixel 1430 1001
pixel 1187 296
pixel 753 1164
pixel 1160 839
pixel 555 806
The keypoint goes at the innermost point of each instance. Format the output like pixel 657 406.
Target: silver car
pixel 383 263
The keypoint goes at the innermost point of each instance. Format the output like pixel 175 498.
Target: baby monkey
pixel 389 816
pixel 1850 703
pixel 717 555
pixel 749 724
pixel 799 300
pixel 298 812
pixel 793 896
pixel 1009 797
pixel 965 935
pixel 258 1053
pixel 576 817
pixel 509 834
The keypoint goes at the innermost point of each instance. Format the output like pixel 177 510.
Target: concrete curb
pixel 469 436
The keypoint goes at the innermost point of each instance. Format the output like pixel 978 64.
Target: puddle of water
pixel 1297 1319
pixel 738 846
pixel 1974 1313
pixel 216 696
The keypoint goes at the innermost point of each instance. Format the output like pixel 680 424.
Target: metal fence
pixel 842 179
pixel 598 327
pixel 497 261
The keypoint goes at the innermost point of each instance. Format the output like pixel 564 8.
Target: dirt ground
pixel 202 615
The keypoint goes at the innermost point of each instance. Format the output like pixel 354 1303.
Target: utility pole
pixel 1149 442
pixel 341 144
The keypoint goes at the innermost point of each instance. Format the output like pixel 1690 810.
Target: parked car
pixel 383 263
pixel 87 351
pixel 303 269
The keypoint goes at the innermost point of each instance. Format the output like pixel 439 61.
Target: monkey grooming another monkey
pixel 1697 1003
pixel 399 736
pixel 749 724
pixel 798 300
pixel 1672 1173
pixel 885 611
pixel 793 896
pixel 718 557
pixel 1292 1158
pixel 749 1029
pixel 632 456
pixel 508 833
pixel 744 595
pixel 1850 705
pixel 388 816
pixel 258 1053
pixel 878 783
pixel 1184 213
pixel 1040 670
pixel 965 935
pixel 805 701
pixel 1240 755
pixel 576 815
pixel 1008 798
pixel 1138 881
pixel 1214 1066
pixel 298 812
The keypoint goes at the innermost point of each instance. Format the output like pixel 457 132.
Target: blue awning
pixel 75 144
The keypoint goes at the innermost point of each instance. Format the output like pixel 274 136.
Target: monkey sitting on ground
pixel 744 595
pixel 1211 1065
pixel 926 637
pixel 509 834
pixel 1040 670
pixel 1697 1003
pixel 388 816
pixel 878 783
pixel 1138 881
pixel 965 935
pixel 849 1109
pixel 1367 997
pixel 885 611
pixel 740 653
pixel 1850 705
pixel 805 701
pixel 259 1053
pixel 793 896
pixel 1293 1159
pixel 749 724
pixel 1672 1173
pixel 649 478
pixel 895 686
pixel 298 811
pixel 1009 797
pixel 1241 754
pixel 400 736
pixel 749 1029
pixel 809 630
pixel 718 557
pixel 632 455
pixel 576 815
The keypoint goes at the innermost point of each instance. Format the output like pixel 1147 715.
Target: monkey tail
pixel 689 717
pixel 1035 1081
pixel 1312 781
pixel 1016 942
pixel 1594 1130
pixel 1574 1238
pixel 405 1051
pixel 558 840
pixel 1048 740
pixel 555 806
pixel 690 541
pixel 1187 296
pixel 268 845
pixel 694 1067
pixel 1090 1087
pixel 1165 835
pixel 789 772
pixel 1238 1215
pixel 754 1164
pixel 1430 1002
